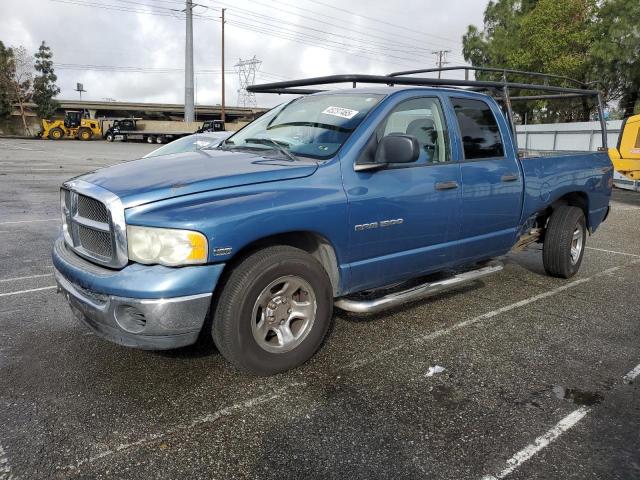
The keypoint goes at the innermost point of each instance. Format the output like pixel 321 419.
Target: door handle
pixel 509 177
pixel 446 185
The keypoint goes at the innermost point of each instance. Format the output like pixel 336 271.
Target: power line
pixel 394 44
pixel 387 44
pixel 130 69
pixel 404 28
pixel 258 26
pixel 278 28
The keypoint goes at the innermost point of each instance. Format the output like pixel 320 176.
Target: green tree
pixel 548 36
pixel 44 85
pixel 7 67
pixel 616 52
pixel 22 81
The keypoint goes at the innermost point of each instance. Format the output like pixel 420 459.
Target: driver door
pixel 403 218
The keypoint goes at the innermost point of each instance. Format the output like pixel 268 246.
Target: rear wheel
pixel 274 311
pixel 56 133
pixel 160 139
pixel 151 139
pixel 564 242
pixel 84 134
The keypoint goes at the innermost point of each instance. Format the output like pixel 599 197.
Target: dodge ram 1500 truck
pixel 353 197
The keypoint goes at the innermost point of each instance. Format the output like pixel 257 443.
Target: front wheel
pixel 564 242
pixel 274 311
pixel 56 133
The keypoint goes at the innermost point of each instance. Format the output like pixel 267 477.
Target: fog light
pixel 130 319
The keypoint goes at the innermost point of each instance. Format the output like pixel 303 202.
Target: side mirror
pixel 397 148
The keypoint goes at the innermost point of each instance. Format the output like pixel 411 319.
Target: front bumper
pixel 126 306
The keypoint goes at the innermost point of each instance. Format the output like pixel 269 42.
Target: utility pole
pixel 188 65
pixel 441 56
pixel 222 58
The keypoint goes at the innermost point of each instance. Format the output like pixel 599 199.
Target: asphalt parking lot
pixel 537 381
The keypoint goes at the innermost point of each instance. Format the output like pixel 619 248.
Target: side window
pixel 479 129
pixel 422 118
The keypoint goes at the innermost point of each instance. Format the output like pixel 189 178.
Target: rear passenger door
pixel 492 182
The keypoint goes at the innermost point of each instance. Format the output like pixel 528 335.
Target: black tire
pixel 84 134
pixel 151 139
pixel 557 256
pixel 56 133
pixel 110 137
pixel 160 139
pixel 232 327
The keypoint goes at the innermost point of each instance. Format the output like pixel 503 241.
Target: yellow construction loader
pixel 74 125
pixel 626 155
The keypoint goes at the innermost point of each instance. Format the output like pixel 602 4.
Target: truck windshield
pixel 313 126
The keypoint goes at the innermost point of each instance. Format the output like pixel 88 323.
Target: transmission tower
pixel 247 76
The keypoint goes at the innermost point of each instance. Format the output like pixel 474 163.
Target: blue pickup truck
pixel 362 198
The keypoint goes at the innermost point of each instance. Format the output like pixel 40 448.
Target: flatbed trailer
pixel 126 130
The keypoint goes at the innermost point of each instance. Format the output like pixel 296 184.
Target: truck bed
pixel 551 175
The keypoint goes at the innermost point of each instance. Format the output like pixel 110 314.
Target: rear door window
pixel 479 129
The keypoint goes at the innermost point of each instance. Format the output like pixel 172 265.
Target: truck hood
pixel 157 178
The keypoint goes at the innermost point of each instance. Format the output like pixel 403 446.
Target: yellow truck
pixel 625 156
pixel 74 125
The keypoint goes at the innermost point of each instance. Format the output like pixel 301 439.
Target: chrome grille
pixel 92 209
pixel 95 241
pixel 94 225
pixel 67 198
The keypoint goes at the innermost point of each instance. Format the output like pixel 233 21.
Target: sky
pixel 133 50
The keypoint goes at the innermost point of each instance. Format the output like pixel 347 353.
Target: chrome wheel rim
pixel 283 314
pixel 577 242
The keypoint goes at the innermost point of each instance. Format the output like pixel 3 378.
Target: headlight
pixel 65 206
pixel 166 246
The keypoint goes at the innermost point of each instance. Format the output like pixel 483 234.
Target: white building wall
pixel 582 136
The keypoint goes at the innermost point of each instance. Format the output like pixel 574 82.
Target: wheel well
pixel 573 199
pixel 314 244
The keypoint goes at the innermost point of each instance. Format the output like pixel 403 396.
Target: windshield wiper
pixel 279 147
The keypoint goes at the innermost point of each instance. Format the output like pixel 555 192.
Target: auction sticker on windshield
pixel 340 112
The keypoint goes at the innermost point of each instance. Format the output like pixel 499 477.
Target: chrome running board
pixel 412 294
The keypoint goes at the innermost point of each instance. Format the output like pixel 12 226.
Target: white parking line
pixel 27 291
pixel 15 279
pixel 613 251
pixel 539 443
pixel 485 316
pixel 18 147
pixel 625 209
pixel 466 323
pixel 209 418
pixel 31 221
pixel 5 468
pixel 545 440
pixel 631 376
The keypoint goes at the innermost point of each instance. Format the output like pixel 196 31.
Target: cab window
pixel 479 129
pixel 423 119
